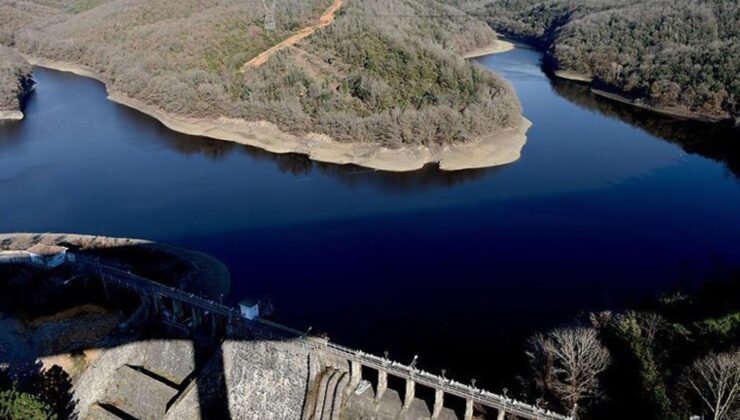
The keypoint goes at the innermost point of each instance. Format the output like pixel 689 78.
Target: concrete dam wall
pixel 163 379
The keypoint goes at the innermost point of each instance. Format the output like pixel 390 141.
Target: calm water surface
pixel 604 208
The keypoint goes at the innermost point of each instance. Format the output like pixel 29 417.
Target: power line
pixel 438 16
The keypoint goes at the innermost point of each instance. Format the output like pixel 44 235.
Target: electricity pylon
pixel 270 23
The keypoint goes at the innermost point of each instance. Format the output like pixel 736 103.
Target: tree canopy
pixel 373 75
pixel 681 55
pixel 15 78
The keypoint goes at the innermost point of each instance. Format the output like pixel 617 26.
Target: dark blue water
pixel 605 208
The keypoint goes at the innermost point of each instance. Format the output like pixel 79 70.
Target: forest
pixel 385 71
pixel 15 79
pixel 677 55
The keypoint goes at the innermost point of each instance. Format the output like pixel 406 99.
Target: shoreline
pixel 499 148
pixel 497 47
pixel 200 266
pixel 637 103
pixel 11 115
pixel 573 76
pixel 662 111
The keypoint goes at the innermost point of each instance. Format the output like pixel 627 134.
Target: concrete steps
pixel 332 387
pixel 339 394
pixel 321 396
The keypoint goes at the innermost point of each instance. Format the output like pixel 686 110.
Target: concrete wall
pixel 172 359
pixel 271 378
pixel 263 380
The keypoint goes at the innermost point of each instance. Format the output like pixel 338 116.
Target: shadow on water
pixel 297 164
pixel 718 142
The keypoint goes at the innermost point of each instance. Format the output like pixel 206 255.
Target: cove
pixel 607 205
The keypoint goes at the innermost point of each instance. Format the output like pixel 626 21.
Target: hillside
pixel 383 73
pixel 15 81
pixel 680 56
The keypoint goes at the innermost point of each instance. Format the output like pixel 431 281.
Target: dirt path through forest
pixel 326 19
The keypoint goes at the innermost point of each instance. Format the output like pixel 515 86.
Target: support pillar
pixel 408 397
pixel 214 325
pixel 196 316
pixel 166 304
pixel 177 309
pixel 231 328
pixel 156 304
pixel 439 403
pixel 355 374
pixel 501 414
pixel 468 410
pixel 382 384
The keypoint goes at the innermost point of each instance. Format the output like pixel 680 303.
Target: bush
pixel 21 406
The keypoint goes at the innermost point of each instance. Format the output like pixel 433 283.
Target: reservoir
pixel 606 207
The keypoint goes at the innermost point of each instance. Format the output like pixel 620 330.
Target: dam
pixel 268 370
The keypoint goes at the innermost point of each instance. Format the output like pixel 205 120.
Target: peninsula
pixel 384 86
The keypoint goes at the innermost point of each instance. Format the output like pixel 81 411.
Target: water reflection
pixel 429 176
pixel 184 144
pixel 714 141
pixel 9 130
pixel 296 164
pixel 9 138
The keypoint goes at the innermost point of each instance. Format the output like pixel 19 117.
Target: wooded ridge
pixel 681 56
pixel 373 75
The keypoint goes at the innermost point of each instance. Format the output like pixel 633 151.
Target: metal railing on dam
pixel 200 308
pixel 448 386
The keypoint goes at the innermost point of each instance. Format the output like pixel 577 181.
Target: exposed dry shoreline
pixel 573 76
pixel 497 47
pixel 496 149
pixel 637 103
pixel 675 113
pixel 11 115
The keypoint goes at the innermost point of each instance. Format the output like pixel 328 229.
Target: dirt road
pixel 326 19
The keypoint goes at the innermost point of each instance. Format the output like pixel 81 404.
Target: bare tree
pixel 567 362
pixel 716 380
pixel 651 323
